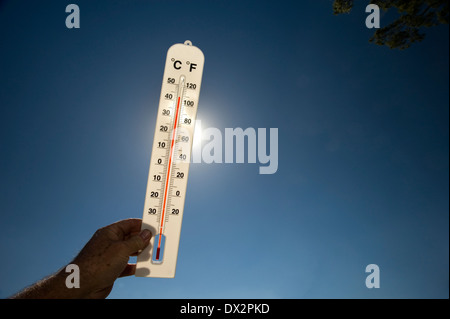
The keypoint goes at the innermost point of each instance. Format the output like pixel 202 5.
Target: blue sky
pixel 363 147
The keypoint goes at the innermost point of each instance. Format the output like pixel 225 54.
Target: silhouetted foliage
pixel 414 16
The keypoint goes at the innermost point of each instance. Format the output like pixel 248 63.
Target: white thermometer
pixel 169 165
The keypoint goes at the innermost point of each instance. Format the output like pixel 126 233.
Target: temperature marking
pixel 169 167
pixel 169 164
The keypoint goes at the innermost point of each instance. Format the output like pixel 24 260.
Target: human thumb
pixel 137 242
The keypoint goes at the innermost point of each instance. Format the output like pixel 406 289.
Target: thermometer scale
pixel 169 164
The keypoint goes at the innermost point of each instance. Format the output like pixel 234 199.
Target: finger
pixel 126 227
pixel 131 234
pixel 137 242
pixel 129 270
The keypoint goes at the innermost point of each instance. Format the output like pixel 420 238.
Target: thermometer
pixel 169 164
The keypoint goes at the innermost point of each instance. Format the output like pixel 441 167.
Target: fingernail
pixel 145 234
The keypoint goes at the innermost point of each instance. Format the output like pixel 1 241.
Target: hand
pixel 105 256
pixel 102 260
